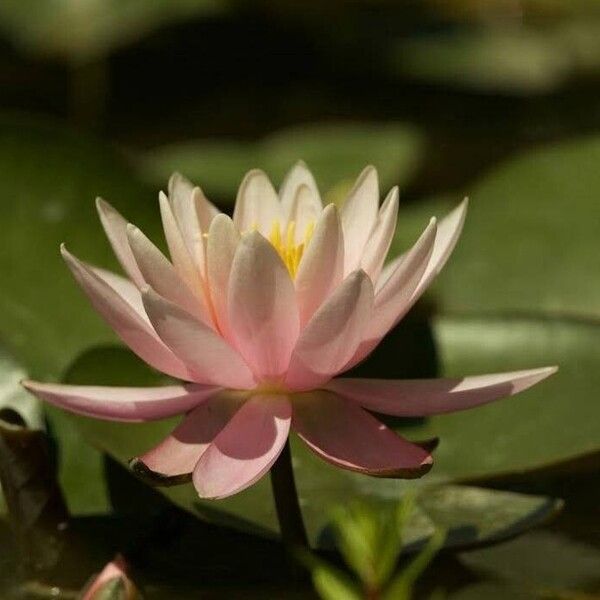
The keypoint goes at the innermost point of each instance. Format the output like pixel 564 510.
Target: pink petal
pixel 116 569
pixel 379 243
pixel 245 449
pixel 345 435
pixel 263 314
pixel 394 298
pixel 132 404
pixel 359 214
pixel 115 227
pixel 127 322
pixel 423 397
pixel 297 176
pixel 332 335
pixel 223 239
pixel 124 287
pixel 179 452
pixel 304 212
pixel 160 274
pixel 189 264
pixel 321 267
pixel 207 355
pixel 257 204
pixel 181 190
pixel 183 206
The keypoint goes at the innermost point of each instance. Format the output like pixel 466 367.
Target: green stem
pixel 288 510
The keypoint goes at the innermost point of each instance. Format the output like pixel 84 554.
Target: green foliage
pixel 334 152
pixel 50 177
pixel 83 31
pixel 370 541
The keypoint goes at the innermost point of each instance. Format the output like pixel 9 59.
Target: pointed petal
pixel 124 287
pixel 263 313
pixel 297 176
pixel 321 268
pixel 206 354
pixel 359 214
pixel 205 209
pixel 133 329
pixel 393 300
pixel 304 212
pixel 257 204
pixel 245 449
pixel 160 274
pixel 424 397
pixel 115 227
pixel 223 239
pixel 345 435
pixel 379 243
pixel 132 404
pixel 178 453
pixel 189 267
pixel 332 335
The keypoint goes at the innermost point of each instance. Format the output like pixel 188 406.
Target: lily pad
pixel 530 242
pixel 544 562
pixel 553 422
pixel 50 177
pixel 83 31
pixel 336 153
pixel 474 516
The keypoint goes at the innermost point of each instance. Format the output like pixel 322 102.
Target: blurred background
pixel 495 99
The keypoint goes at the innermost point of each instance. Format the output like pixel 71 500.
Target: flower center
pixel 284 241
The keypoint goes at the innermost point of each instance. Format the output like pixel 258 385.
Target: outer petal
pixel 124 287
pixel 332 335
pixel 263 314
pixel 206 354
pixel 177 455
pixel 345 435
pixel 257 204
pixel 379 243
pixel 223 239
pixel 160 274
pixel 115 227
pixel 245 449
pixel 297 176
pixel 133 404
pixel 132 328
pixel 392 301
pixel 359 214
pixel 424 397
pixel 322 264
pixel 305 210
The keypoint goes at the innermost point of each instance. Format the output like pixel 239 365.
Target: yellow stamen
pixel 286 246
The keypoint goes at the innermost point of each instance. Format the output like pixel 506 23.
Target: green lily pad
pixel 336 153
pixel 553 422
pixel 13 398
pixel 474 516
pixel 50 177
pixel 544 562
pixel 82 31
pixel 530 242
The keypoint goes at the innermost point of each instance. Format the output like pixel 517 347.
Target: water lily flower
pixel 257 315
pixel 112 582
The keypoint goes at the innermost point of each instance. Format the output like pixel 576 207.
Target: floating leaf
pixel 530 242
pixel 50 177
pixel 513 435
pixel 492 516
pixel 334 152
pixel 82 31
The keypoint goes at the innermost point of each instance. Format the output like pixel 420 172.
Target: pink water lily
pixel 257 315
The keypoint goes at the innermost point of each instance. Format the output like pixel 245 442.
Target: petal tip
pixel 154 478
